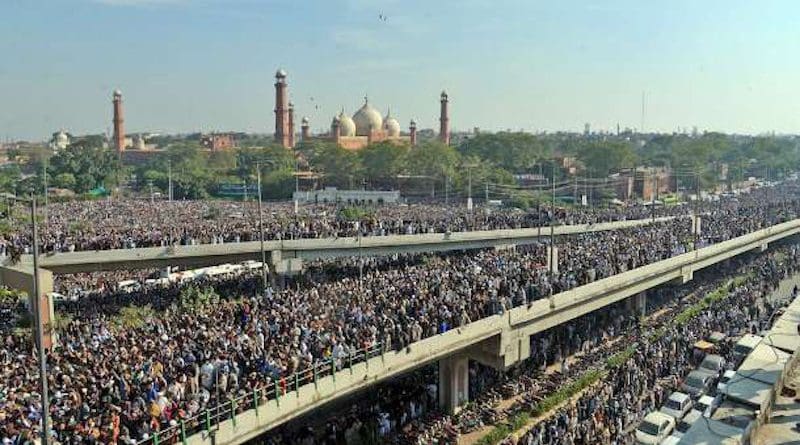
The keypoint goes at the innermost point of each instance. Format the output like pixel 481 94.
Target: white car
pixel 677 405
pixel 654 428
pixel 671 440
pixel 712 363
pixel 683 426
pixel 723 382
pixel 706 405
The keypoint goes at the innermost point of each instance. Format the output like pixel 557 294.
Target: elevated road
pixel 304 249
pixel 499 340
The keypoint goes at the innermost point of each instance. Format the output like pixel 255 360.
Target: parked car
pixel 706 405
pixel 712 363
pixel 697 383
pixel 654 428
pixel 671 440
pixel 723 381
pixel 677 405
pixel 743 347
pixel 683 426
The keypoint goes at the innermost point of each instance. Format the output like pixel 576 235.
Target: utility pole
pixel 261 233
pixel 653 204
pixel 696 207
pixel 447 190
pixel 150 185
pixel 469 188
pixel 552 234
pixel 46 203
pixel 296 185
pixel 37 307
pixel 486 193
pixel 575 197
pixel 169 179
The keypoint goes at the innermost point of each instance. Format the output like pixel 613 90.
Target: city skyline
pixel 207 65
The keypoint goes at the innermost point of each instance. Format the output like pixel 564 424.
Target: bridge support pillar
pixel 453 383
pixel 21 278
pixel 637 304
pixel 763 247
pixel 687 275
pixel 46 308
pixel 283 267
pixel 554 255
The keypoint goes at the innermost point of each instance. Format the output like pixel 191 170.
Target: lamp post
pixel 261 234
pixel 169 179
pixel 39 328
pixel 552 234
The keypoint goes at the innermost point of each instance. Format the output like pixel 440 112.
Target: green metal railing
pixel 209 419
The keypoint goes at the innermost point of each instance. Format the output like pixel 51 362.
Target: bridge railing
pixel 208 420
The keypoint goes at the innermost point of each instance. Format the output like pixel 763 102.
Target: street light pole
pixel 169 178
pixel 552 235
pixel 37 307
pixel 469 188
pixel 46 201
pixel 296 184
pixel 261 234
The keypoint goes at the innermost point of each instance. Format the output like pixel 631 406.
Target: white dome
pixel 366 119
pixel 390 125
pixel 346 125
pixel 280 74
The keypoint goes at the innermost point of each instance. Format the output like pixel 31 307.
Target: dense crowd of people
pixel 609 413
pixel 113 380
pixel 120 224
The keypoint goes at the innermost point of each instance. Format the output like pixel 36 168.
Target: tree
pixel 338 166
pixel 432 158
pixel 515 152
pixel 65 180
pixel 605 157
pixel 383 161
pixel 89 163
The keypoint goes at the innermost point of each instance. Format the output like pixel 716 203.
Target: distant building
pixel 118 122
pixel 60 140
pixel 587 129
pixel 332 194
pixel 365 127
pixel 218 141
pixel 645 183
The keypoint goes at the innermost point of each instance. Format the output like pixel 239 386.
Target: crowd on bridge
pixel 114 381
pixel 119 224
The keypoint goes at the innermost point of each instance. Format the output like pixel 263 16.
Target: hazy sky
pixel 189 65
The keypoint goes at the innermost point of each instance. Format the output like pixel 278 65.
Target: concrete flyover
pixel 500 340
pixel 304 249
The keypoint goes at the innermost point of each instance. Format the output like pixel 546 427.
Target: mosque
pixel 365 127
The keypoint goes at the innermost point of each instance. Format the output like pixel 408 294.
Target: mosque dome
pixel 366 119
pixel 346 125
pixel 390 125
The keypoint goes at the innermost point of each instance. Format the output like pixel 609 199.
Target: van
pixel 128 285
pixel 712 363
pixel 744 347
pixel 654 428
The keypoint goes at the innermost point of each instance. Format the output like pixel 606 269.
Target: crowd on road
pixel 564 353
pixel 120 224
pixel 115 380
pixel 609 412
